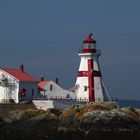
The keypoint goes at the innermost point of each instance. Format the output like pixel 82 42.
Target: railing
pixel 74 99
pixel 60 98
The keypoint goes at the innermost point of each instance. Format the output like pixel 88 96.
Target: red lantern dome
pixel 89 39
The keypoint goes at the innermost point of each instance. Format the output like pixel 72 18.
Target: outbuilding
pixel 52 90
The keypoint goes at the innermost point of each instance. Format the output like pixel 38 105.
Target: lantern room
pixel 89 45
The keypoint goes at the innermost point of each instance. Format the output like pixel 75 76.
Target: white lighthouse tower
pixel 89 84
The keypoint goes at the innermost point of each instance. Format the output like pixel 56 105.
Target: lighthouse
pixel 89 84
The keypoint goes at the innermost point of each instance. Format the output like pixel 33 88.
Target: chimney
pixel 42 78
pixel 56 80
pixel 21 68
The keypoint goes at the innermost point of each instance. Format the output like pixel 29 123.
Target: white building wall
pixel 15 93
pixel 97 82
pixel 80 92
pixel 2 93
pixel 98 89
pixel 95 62
pixel 11 90
pixel 83 63
pixel 56 91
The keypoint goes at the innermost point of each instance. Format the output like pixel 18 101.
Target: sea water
pixel 129 103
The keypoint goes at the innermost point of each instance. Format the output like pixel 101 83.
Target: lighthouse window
pixel 51 87
pixel 89 46
pixel 86 46
pixel 85 88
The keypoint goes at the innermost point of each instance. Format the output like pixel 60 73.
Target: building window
pixel 85 88
pixel 68 96
pixel 51 87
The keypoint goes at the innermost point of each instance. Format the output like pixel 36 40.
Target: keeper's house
pixel 52 90
pixel 17 85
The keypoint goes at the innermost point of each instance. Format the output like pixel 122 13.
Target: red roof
pixel 42 84
pixel 22 76
pixel 89 39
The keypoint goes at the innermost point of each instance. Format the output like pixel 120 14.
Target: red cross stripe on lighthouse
pixel 86 73
pixel 89 74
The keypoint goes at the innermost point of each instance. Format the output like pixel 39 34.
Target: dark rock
pixel 7 120
pixel 90 121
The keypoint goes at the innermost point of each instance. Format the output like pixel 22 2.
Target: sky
pixel 46 35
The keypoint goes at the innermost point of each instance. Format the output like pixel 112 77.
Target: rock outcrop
pixel 99 116
pixel 90 121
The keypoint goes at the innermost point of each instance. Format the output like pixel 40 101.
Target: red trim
pixel 82 74
pixel 42 84
pixel 22 76
pixel 22 94
pixel 86 73
pixel 89 39
pixel 91 80
pixel 88 50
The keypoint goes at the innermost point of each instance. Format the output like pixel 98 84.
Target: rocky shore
pixel 90 121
